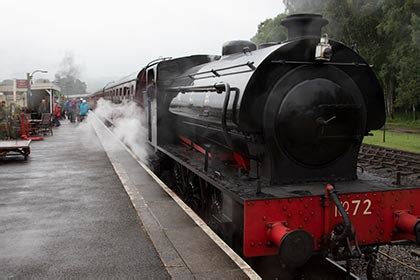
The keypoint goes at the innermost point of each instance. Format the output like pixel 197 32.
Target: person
pixel 4 127
pixel 43 107
pixel 57 114
pixel 63 108
pixel 3 111
pixel 71 110
pixel 77 107
pixel 67 109
pixel 83 110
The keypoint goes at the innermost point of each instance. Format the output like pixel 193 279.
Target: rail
pixel 400 262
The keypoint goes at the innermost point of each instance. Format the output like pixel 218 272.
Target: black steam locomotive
pixel 264 144
pixel 295 114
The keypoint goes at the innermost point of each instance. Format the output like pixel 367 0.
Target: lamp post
pixel 29 77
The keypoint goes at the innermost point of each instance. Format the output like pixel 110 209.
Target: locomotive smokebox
pixel 304 25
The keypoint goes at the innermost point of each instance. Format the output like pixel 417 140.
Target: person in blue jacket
pixel 83 110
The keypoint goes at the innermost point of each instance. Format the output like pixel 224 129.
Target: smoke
pixel 67 78
pixel 68 66
pixel 129 124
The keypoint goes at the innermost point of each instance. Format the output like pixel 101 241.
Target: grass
pixel 403 121
pixel 398 140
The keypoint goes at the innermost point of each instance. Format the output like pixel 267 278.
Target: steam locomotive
pixel 263 143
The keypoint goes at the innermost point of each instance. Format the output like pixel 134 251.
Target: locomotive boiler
pixel 297 111
pixel 263 144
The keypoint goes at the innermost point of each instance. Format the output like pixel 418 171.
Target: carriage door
pixel 151 105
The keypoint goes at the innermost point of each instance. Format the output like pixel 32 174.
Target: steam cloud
pixel 129 124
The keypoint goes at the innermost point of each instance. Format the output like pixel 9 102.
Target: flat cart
pixel 15 146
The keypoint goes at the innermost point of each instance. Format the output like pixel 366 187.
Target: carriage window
pixel 150 76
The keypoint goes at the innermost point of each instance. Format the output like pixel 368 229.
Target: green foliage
pixel 339 14
pixel 409 67
pixel 404 121
pixel 270 30
pixel 385 32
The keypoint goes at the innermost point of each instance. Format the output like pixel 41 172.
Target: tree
pixel 400 68
pixel 270 30
pixel 385 32
pixel 67 78
pixel 338 13
pixel 409 68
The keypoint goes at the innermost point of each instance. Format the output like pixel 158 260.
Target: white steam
pixel 129 124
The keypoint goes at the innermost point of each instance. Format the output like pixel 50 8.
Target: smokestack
pixel 300 25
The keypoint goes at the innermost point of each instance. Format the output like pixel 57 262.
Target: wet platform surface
pixel 74 211
pixel 185 249
pixel 65 214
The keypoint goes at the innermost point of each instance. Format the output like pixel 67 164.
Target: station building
pixel 16 91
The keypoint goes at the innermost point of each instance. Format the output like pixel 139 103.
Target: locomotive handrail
pixel 281 61
pixel 215 72
pixel 224 116
pixel 218 88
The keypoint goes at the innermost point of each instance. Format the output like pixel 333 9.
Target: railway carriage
pixel 263 143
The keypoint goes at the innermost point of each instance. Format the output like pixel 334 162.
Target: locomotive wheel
pixel 193 192
pixel 179 184
pixel 214 208
pixel 216 202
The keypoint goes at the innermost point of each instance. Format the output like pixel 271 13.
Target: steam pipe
pixel 346 220
pixel 224 115
pixel 218 88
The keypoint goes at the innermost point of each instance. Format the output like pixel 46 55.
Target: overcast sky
pixel 111 39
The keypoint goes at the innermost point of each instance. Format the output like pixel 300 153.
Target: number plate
pixel 355 207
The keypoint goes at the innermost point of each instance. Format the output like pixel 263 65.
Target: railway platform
pixel 80 209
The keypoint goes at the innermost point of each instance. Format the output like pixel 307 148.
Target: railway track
pixel 390 163
pixel 394 261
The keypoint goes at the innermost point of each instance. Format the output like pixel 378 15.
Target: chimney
pixel 300 25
